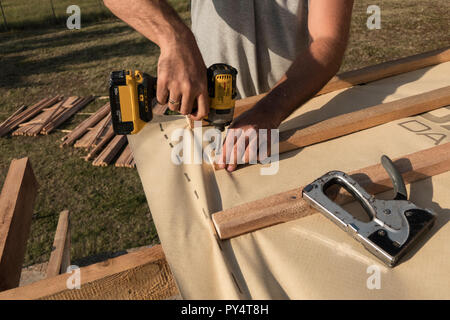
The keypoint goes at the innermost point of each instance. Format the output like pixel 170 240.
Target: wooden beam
pixel 110 152
pixel 106 138
pixel 288 206
pixel 94 133
pixel 83 127
pixel 143 274
pixel 70 111
pixel 364 119
pixel 366 75
pixel 28 114
pixel 12 116
pixel 16 210
pixel 123 159
pixel 60 256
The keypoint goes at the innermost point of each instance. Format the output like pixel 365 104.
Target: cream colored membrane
pixel 310 257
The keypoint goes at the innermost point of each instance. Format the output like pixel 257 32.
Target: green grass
pixel 29 14
pixel 108 206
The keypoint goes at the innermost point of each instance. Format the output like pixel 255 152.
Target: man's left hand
pixel 242 140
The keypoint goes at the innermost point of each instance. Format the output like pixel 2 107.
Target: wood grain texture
pixel 143 274
pixel 34 126
pixel 103 140
pixel 364 119
pixel 289 205
pixel 68 112
pixel 28 113
pixel 123 160
pixel 92 134
pixel 81 129
pixel 60 256
pixel 366 75
pixel 5 123
pixel 16 210
pixel 110 152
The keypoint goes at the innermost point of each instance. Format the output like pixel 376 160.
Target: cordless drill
pixel 132 97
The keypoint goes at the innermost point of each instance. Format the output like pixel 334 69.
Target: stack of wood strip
pixel 24 114
pixel 97 136
pixel 126 159
pixel 43 117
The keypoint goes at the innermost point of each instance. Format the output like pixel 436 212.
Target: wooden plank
pixel 143 274
pixel 28 114
pixel 366 75
pixel 364 119
pixel 123 158
pixel 88 140
pixel 111 150
pixel 82 127
pixel 12 116
pixel 16 210
pixel 130 161
pixel 34 125
pixel 45 117
pixel 59 110
pixel 109 134
pixel 101 131
pixel 287 206
pixel 60 256
pixel 77 106
pixel 29 123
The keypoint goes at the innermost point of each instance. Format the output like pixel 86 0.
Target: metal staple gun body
pixel 395 225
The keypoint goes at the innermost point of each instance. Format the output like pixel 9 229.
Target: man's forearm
pixel 310 71
pixel 155 19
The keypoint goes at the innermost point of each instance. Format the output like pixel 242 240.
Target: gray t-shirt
pixel 260 38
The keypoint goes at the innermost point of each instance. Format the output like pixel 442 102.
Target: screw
pixel 387 211
pixel 381 233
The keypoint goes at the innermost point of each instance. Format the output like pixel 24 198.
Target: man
pixel 290 47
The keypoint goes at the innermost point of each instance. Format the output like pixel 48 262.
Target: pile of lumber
pixel 97 136
pixel 142 274
pixel 44 116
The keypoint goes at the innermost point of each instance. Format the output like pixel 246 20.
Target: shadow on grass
pixel 18 67
pixel 29 40
pixel 48 21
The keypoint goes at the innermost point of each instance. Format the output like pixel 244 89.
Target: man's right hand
pixel 182 82
pixel 182 79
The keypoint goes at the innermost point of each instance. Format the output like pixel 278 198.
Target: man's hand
pixel 243 139
pixel 328 25
pixel 182 78
pixel 182 81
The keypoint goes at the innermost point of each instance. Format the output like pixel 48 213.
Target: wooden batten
pixel 366 75
pixel 60 256
pixel 143 274
pixel 288 206
pixel 16 210
pixel 81 129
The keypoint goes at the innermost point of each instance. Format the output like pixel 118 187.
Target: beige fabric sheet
pixel 309 258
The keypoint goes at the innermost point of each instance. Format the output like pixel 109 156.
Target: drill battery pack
pixel 131 95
